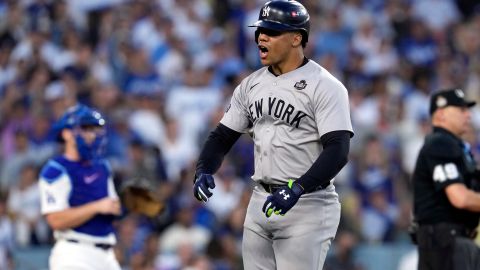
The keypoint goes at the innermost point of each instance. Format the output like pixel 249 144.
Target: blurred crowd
pixel 162 72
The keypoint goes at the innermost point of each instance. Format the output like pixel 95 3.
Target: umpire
pixel 446 197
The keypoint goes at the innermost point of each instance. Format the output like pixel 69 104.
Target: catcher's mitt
pixel 138 196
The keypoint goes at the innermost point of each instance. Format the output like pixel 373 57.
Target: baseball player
pixel 78 197
pixel 298 116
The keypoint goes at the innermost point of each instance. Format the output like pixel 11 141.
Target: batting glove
pixel 283 199
pixel 201 187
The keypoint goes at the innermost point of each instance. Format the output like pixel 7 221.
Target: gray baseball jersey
pixel 286 116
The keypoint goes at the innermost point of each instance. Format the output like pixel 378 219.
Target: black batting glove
pixel 203 182
pixel 283 199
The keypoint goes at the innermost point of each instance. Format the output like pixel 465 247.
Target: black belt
pixel 271 188
pixel 98 245
pixel 446 228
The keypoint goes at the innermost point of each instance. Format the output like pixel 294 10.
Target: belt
pixel 98 245
pixel 271 188
pixel 447 228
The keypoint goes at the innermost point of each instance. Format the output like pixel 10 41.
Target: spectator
pixel 342 258
pixel 178 151
pixel 24 206
pixel 24 154
pixel 192 102
pixel 228 187
pixel 7 239
pixel 184 232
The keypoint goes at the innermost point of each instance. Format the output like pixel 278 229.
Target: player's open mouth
pixel 263 51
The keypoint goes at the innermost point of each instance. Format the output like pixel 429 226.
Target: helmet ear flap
pixel 304 39
pixel 257 34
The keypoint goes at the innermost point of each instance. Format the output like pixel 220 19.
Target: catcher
pixel 78 198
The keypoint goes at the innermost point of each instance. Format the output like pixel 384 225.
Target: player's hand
pixel 201 187
pixel 108 206
pixel 283 199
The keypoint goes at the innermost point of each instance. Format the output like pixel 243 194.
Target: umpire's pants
pixel 440 249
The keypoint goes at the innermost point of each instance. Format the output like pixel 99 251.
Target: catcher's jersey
pixel 286 115
pixel 64 184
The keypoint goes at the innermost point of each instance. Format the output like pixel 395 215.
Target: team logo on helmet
pixel 300 85
pixel 441 102
pixel 459 93
pixel 266 11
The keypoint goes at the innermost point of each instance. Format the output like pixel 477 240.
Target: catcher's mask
pixel 82 119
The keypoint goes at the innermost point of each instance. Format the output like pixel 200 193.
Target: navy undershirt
pixel 336 145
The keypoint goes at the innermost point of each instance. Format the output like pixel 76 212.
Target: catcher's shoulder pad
pixel 51 172
pixel 442 146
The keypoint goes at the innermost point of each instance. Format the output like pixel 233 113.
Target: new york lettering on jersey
pixel 277 108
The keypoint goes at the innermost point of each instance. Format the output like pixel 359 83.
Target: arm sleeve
pixel 336 145
pixel 218 143
pixel 332 109
pixel 236 114
pixel 444 160
pixel 55 186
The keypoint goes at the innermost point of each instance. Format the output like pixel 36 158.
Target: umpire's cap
pixel 449 97
pixel 284 16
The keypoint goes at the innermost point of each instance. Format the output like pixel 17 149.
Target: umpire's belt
pixel 98 245
pixel 271 188
pixel 444 228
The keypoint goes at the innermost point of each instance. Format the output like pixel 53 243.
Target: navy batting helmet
pixel 284 16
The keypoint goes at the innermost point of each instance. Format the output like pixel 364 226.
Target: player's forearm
pixel 219 142
pixel 71 217
pixel 332 159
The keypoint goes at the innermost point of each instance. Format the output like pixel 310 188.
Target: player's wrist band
pixel 296 188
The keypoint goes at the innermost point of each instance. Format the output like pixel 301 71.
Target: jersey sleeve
pixel 55 186
pixel 444 159
pixel 332 109
pixel 236 114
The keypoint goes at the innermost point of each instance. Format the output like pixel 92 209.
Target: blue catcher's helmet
pixel 80 117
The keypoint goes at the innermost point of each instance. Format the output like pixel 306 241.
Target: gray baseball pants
pixel 299 240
